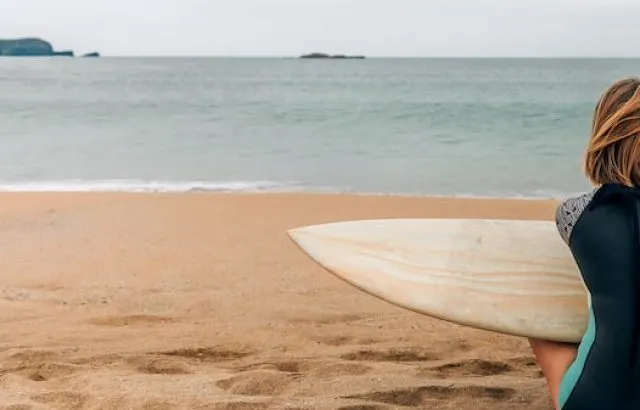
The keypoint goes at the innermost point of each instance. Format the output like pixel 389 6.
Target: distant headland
pixel 330 56
pixel 34 47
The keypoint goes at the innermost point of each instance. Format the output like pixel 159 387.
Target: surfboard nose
pixel 301 235
pixel 294 232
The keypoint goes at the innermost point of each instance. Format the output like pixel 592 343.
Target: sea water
pixel 467 127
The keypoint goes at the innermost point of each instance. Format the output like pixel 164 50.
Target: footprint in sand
pixel 285 366
pixel 273 378
pixel 257 383
pixel 524 361
pixel 63 400
pixel 209 354
pixel 18 407
pixel 159 365
pixel 422 395
pixel 233 406
pixel 130 320
pixel 113 403
pixel 145 363
pixel 527 365
pixel 467 368
pixel 170 362
pixel 156 404
pixel 328 319
pixel 38 365
pixel 49 371
pixel 317 369
pixel 330 371
pixel 391 355
pixel 345 340
pixel 102 361
pixel 28 358
pixel 335 341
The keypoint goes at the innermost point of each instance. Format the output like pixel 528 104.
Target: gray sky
pixel 291 27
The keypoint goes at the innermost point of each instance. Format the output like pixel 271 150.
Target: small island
pixel 33 47
pixel 330 56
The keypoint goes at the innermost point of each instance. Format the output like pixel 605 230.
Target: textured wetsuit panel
pixel 569 211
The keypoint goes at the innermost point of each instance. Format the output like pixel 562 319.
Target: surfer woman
pixel 601 228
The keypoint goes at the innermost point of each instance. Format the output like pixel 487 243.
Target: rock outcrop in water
pixel 329 56
pixel 26 47
pixel 31 47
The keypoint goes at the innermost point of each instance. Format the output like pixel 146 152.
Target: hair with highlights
pixel 613 153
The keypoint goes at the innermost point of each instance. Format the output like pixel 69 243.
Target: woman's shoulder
pixel 569 211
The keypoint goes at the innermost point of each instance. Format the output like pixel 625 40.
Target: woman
pixel 601 229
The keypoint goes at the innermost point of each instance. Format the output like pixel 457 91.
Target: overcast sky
pixel 291 27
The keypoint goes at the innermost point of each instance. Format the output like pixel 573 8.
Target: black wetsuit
pixel 601 229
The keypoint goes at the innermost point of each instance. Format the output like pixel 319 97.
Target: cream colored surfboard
pixel 507 276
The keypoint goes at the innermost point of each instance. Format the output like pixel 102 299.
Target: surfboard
pixel 507 276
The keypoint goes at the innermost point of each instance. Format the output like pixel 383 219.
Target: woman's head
pixel 613 155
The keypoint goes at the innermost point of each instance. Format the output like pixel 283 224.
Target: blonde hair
pixel 613 154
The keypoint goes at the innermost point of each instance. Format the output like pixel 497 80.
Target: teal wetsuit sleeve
pixel 567 215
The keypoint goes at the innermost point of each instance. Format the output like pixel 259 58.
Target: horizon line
pixel 442 57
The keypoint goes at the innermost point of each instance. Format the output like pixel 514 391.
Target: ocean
pixel 464 127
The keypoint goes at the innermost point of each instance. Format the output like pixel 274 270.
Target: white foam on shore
pixel 144 186
pixel 243 186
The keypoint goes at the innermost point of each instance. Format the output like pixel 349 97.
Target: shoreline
pixel 304 191
pixel 429 204
pixel 290 186
pixel 302 195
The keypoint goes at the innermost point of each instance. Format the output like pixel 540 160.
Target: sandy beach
pixel 200 301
